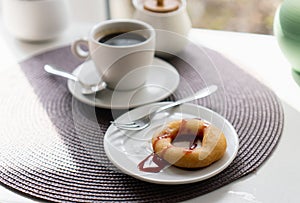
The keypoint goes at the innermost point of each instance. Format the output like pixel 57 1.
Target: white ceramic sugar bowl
pixel 35 20
pixel 171 27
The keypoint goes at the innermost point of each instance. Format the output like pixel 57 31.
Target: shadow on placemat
pixel 77 169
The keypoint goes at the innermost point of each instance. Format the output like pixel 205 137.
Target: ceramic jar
pixel 172 28
pixel 287 31
pixel 35 20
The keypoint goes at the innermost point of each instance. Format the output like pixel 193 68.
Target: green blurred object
pixel 296 76
pixel 289 17
pixel 287 31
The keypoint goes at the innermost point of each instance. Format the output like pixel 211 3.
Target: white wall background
pixel 91 11
pixel 94 11
pixel 88 10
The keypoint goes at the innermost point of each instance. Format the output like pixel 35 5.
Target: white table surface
pixel 278 180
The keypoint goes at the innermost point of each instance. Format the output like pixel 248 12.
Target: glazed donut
pixel 196 132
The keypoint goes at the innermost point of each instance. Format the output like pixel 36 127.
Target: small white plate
pixel 162 81
pixel 126 149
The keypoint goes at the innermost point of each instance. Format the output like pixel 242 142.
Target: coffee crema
pixel 122 39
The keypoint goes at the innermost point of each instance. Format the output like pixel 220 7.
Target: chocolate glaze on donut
pixel 192 137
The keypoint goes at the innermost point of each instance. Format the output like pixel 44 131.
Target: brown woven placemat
pixel 69 164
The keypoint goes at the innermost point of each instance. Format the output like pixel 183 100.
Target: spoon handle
pixel 200 94
pixel 51 69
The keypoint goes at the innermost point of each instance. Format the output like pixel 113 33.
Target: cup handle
pixel 77 50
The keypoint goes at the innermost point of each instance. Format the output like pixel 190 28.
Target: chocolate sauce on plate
pixel 154 164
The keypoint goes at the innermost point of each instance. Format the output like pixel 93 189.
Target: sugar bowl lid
pixel 161 6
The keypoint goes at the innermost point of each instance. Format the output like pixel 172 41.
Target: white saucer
pixel 162 81
pixel 126 149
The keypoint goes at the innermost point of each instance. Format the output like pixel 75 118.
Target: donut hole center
pixel 188 141
pixel 190 134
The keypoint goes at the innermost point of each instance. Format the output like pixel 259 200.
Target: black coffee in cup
pixel 122 39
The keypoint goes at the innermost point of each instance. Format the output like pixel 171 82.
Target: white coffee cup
pixel 123 66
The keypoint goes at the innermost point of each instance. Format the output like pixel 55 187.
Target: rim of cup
pixel 147 27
